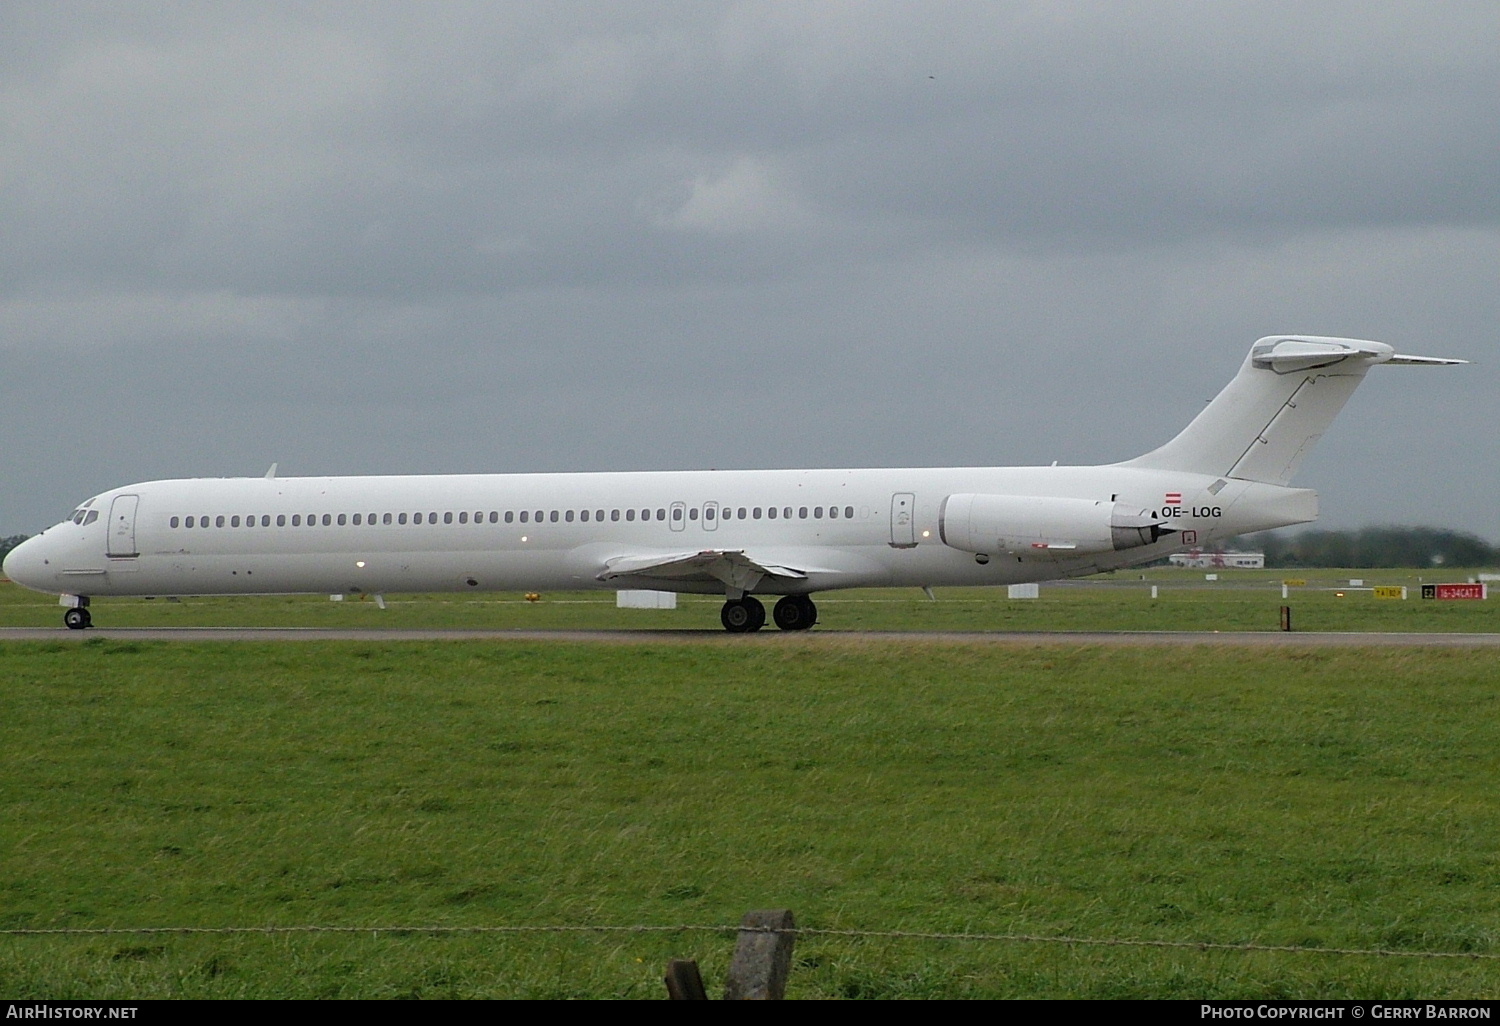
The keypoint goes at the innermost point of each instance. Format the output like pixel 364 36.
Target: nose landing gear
pixel 77 618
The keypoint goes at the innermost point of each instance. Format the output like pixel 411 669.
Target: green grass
pixel 1327 798
pixel 1239 601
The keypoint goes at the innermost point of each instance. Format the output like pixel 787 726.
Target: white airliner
pixel 788 533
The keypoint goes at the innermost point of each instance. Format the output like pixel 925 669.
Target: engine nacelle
pixel 1043 525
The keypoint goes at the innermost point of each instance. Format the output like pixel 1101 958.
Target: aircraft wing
pixel 732 567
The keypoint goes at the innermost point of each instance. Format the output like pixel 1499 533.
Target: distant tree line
pixel 1373 547
pixel 6 544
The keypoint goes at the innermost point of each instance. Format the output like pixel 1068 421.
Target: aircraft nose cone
pixel 27 566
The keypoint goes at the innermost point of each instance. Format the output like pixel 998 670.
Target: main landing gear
pixel 792 613
pixel 795 613
pixel 741 616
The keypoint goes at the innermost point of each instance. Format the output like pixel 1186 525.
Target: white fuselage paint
pixel 1223 475
pixel 867 549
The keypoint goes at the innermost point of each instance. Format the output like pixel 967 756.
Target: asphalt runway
pixel 1265 639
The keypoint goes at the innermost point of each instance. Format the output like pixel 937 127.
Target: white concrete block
pixel 646 599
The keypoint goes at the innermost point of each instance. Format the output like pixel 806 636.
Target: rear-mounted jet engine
pixel 1044 525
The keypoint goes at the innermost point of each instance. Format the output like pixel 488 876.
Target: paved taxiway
pixel 1265 639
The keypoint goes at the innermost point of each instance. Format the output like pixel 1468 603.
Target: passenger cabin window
pixel 554 516
pixel 630 515
pixel 463 517
pixel 173 522
pixel 848 512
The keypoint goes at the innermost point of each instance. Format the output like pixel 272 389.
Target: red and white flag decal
pixel 1174 498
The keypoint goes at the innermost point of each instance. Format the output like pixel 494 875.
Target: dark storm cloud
pixel 515 236
pixel 368 150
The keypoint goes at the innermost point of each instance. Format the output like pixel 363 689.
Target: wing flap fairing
pixel 731 567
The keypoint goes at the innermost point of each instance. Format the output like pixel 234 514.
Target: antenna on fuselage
pixel 271 474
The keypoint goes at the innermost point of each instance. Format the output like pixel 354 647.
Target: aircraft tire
pixel 743 616
pixel 795 613
pixel 77 619
pixel 757 612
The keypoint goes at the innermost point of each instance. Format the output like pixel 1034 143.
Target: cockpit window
pixel 92 516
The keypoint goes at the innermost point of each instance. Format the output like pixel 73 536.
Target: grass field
pixel 1322 798
pixel 1239 601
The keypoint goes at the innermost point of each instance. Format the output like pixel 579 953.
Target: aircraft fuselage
pixel 740 532
pixel 846 528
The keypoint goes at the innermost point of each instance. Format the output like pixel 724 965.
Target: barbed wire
pixel 1014 938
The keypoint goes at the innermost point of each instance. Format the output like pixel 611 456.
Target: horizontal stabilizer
pixel 1433 361
pixel 1268 418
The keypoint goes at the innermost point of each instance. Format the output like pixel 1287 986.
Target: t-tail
pixel 1265 421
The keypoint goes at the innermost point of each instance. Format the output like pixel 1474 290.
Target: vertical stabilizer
pixel 1266 420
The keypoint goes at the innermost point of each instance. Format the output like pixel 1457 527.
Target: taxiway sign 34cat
pixel 785 533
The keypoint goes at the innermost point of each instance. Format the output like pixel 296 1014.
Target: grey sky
pixel 368 238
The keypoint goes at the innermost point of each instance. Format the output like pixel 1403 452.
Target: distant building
pixel 1219 560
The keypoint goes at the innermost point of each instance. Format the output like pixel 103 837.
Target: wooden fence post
pixel 684 982
pixel 762 958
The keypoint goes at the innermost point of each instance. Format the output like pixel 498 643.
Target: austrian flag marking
pixel 1174 499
